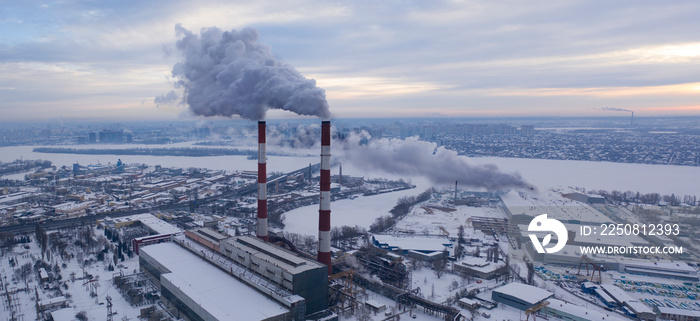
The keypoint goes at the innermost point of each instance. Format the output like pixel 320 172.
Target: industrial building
pixel 427 248
pixel 151 230
pixel 675 314
pixel 520 296
pixel 299 275
pixel 480 267
pixel 195 290
pixel 567 311
pixel 296 282
pixel 662 269
pixel 631 306
pixel 522 211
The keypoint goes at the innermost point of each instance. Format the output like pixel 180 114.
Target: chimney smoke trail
pixel 621 109
pixel 411 157
pixel 226 73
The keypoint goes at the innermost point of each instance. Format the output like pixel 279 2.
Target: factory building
pixel 520 296
pixel 661 269
pixel 153 230
pixel 426 248
pixel 567 311
pixel 195 290
pixel 479 267
pixel 631 306
pixel 675 314
pixel 301 276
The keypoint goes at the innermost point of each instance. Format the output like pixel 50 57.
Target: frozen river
pixel 663 179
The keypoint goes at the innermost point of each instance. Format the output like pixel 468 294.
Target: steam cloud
pixel 226 73
pixel 419 158
pixel 615 109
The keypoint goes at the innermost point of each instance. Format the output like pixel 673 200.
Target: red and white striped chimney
pixel 262 183
pixel 324 212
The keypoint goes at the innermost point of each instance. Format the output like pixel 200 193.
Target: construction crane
pixel 596 267
pixel 444 231
pixel 534 309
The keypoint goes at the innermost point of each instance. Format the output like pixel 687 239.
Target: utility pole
pixel 12 303
pixel 109 309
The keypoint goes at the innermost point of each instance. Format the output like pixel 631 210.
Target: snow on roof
pixel 676 311
pixel 468 301
pixel 554 205
pixel 278 256
pixel 616 293
pixel 529 294
pixel 582 312
pixel 639 307
pixel 375 304
pixel 152 222
pixel 412 242
pixel 67 314
pixel 480 264
pixel 223 296
pixel 664 266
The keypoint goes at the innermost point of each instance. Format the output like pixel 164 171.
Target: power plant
pixel 297 284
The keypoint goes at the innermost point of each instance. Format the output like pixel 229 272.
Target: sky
pixel 111 59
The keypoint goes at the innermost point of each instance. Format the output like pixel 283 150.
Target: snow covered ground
pixel 361 211
pixel 79 290
pixel 428 217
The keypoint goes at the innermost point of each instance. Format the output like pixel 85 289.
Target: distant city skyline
pixel 94 60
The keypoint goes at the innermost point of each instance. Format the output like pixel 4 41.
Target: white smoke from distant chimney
pixel 615 109
pixel 226 73
pixel 406 157
pixel 412 157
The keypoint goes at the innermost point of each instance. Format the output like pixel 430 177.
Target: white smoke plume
pixel 300 136
pixel 411 157
pixel 615 109
pixel 406 157
pixel 226 73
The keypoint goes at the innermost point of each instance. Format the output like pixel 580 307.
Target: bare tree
pixel 439 266
pixel 364 314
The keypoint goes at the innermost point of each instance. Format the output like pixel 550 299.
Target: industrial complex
pixel 209 245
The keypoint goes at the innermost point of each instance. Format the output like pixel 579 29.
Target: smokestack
pixel 262 183
pixel 455 192
pixel 324 212
pixel 632 119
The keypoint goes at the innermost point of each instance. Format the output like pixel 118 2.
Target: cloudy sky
pixel 110 59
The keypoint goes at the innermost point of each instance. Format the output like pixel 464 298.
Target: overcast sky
pixel 110 59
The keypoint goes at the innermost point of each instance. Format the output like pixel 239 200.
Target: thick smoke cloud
pixel 226 73
pixel 411 157
pixel 615 109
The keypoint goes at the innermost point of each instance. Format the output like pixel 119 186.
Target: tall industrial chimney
pixel 632 119
pixel 262 183
pixel 324 212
